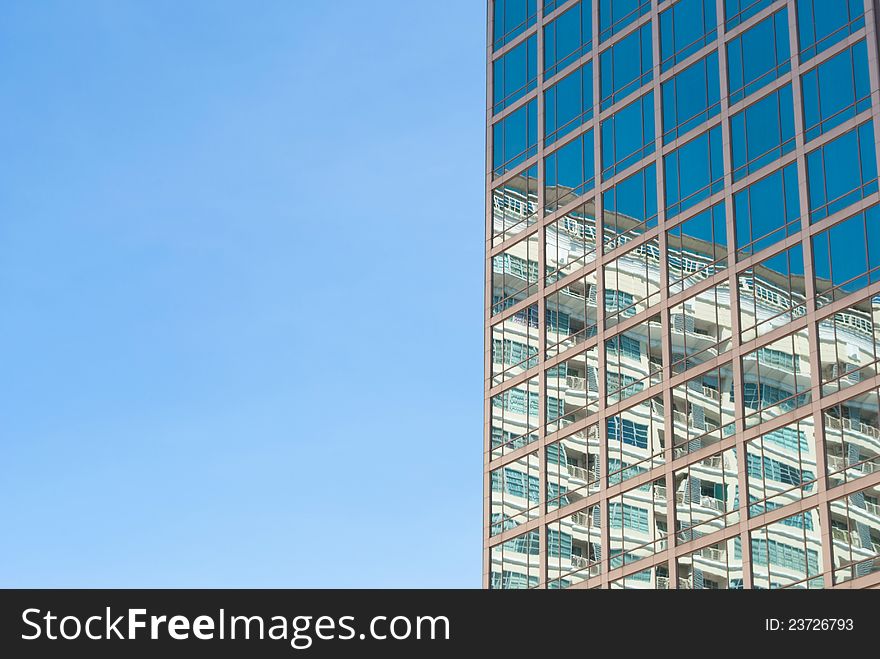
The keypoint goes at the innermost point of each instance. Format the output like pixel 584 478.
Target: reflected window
pixel 514 348
pixel 781 467
pixel 772 293
pixel 515 494
pixel 706 496
pixel 691 98
pixel 694 172
pixel 633 360
pixel 852 438
pixel 572 388
pixel 836 90
pixel 516 564
pixel 632 282
pixel 855 534
pixel 628 136
pixel 629 208
pixel 762 133
pixel 571 241
pixel 758 56
pixel 767 211
pixel 573 467
pixel 823 23
pixel 849 345
pixel 842 172
pixel 574 553
pixel 515 205
pixel 514 74
pixel 700 327
pixel 568 38
pixel 569 172
pixel 846 257
pixel 514 416
pixel 686 27
pixel 568 103
pixel 703 410
pixel 637 524
pixel 571 314
pixel 625 67
pixel 635 440
pixel 788 553
pixel 716 567
pixel 515 138
pixel 515 273
pixel 696 248
pixel 776 378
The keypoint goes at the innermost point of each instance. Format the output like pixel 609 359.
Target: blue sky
pixel 240 272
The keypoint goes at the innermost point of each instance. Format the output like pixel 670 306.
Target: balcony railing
pixel 581 519
pixel 712 554
pixel 662 583
pixel 848 424
pixel 579 472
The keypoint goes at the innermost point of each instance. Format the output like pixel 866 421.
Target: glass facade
pixel 682 295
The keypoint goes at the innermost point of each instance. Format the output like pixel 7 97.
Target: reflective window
pixel 691 98
pixel 632 282
pixel 711 568
pixel 852 438
pixel 703 410
pixel 515 273
pixel 567 38
pixel 836 90
pixel 629 208
pixel 627 370
pixel 758 56
pixel 515 494
pixel 822 23
pixel 694 172
pixel 569 172
pixel 772 293
pixel 700 327
pixel 511 18
pixel 788 553
pixel 625 66
pixel 571 241
pixel 696 248
pixel 706 496
pixel 846 257
pixel 568 103
pixel 637 524
pixel 762 133
pixel 776 378
pixel 571 314
pixel 655 577
pixel 635 440
pixel 738 11
pixel 515 138
pixel 614 15
pixel 514 348
pixel 686 27
pixel 855 534
pixel 767 211
pixel 515 205
pixel 628 136
pixel 573 467
pixel 781 467
pixel 572 388
pixel 514 416
pixel 516 564
pixel 514 74
pixel 849 345
pixel 574 551
pixel 842 172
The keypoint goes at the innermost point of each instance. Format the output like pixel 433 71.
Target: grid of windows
pixel 683 275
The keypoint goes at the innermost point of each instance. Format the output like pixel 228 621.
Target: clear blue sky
pixel 240 273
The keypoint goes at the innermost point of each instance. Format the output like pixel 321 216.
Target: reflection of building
pixel 683 313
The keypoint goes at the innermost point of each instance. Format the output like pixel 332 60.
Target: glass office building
pixel 682 294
